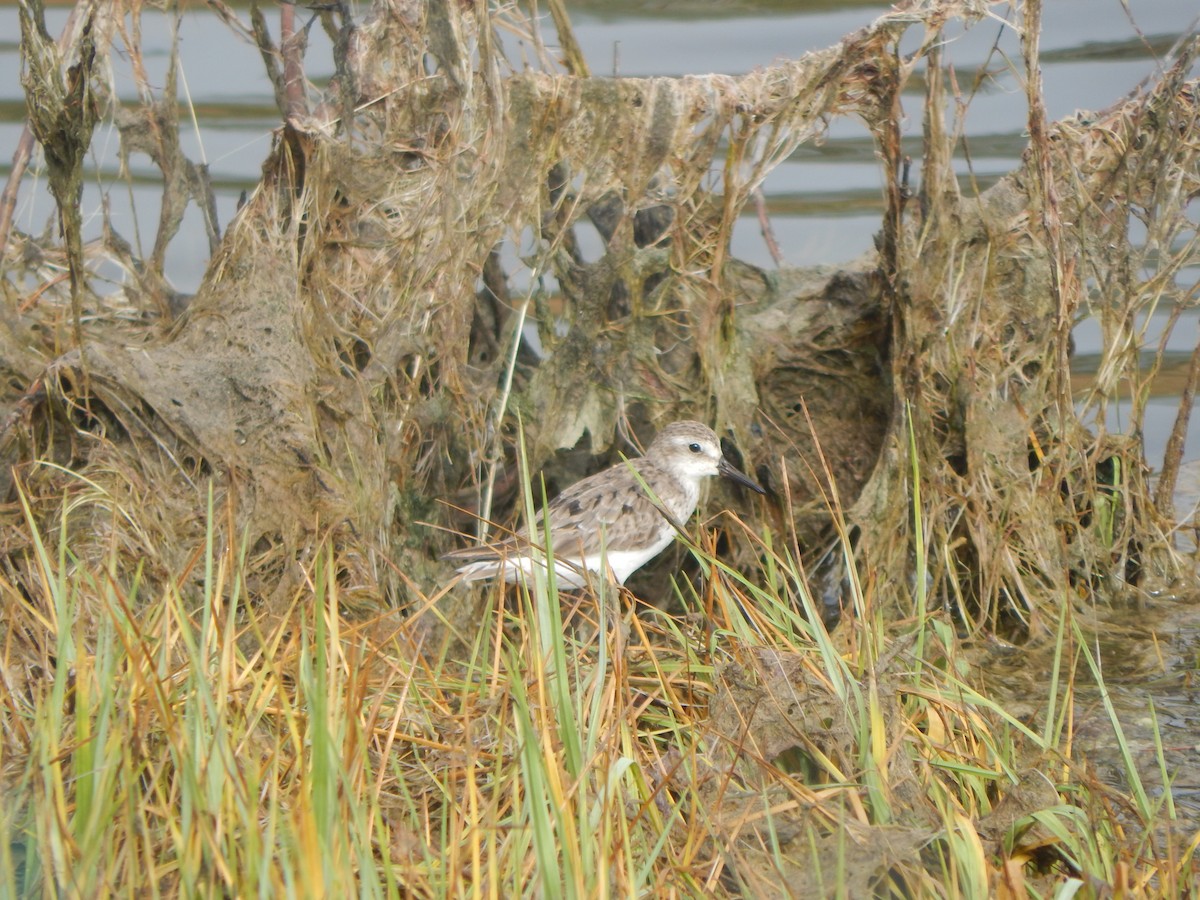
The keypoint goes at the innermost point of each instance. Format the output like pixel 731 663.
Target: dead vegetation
pixel 351 353
pixel 351 356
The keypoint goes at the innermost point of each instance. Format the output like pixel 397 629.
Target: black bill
pixel 724 468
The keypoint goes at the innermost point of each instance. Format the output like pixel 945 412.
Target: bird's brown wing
pixel 613 500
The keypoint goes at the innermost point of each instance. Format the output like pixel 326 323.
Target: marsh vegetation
pixel 234 662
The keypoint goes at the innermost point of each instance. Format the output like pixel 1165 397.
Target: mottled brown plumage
pixel 632 510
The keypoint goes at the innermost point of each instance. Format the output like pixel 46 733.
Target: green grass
pixel 191 743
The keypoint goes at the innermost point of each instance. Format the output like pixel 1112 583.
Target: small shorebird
pixel 631 510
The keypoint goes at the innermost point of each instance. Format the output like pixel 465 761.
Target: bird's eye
pixel 694 447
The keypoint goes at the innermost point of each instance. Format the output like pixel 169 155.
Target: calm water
pixel 824 202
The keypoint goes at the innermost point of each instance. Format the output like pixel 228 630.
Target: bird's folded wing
pixel 616 510
pixel 615 506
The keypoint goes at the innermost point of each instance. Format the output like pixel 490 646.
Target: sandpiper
pixel 622 517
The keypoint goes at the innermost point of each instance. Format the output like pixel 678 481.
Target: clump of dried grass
pixel 1027 495
pixel 353 352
